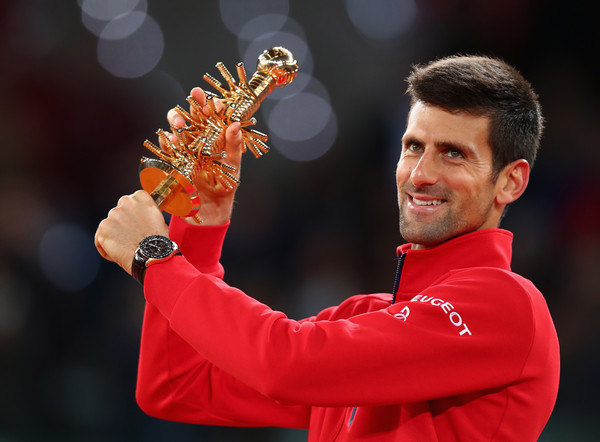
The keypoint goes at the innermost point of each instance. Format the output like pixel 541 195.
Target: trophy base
pixel 171 189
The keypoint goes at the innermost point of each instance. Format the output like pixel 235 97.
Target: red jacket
pixel 468 351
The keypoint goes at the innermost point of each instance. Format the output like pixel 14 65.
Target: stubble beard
pixel 430 232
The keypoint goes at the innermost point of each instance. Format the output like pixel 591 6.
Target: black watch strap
pixel 138 267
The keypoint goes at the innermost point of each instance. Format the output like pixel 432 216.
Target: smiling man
pixel 463 349
pixel 446 183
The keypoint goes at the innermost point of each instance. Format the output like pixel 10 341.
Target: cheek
pixel 467 182
pixel 476 196
pixel 402 172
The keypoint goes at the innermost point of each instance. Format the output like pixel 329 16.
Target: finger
pixel 103 253
pixel 143 197
pixel 99 240
pixel 175 119
pixel 125 199
pixel 198 95
pixel 218 105
pixel 172 138
pixel 99 246
pixel 233 141
pixel 138 201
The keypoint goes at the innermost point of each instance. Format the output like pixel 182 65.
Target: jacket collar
pixel 481 248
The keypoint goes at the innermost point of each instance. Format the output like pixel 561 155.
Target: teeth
pixel 419 202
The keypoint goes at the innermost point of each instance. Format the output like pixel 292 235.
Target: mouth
pixel 424 202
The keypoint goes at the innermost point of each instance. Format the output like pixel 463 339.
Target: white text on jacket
pixel 448 309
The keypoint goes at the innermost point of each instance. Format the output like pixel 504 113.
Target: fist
pixel 135 217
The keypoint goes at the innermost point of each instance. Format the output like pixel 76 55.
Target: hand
pixel 119 235
pixel 216 199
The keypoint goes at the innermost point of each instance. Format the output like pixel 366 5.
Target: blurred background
pixel 84 83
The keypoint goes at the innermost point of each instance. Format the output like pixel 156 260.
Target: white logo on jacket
pixel 448 309
pixel 403 313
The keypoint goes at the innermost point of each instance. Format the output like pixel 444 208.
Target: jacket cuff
pixel 201 245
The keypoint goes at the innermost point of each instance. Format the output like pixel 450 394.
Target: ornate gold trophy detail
pixel 170 179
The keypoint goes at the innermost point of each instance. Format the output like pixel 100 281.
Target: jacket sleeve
pixel 471 331
pixel 175 381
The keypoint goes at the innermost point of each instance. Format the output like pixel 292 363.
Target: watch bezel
pixel 167 247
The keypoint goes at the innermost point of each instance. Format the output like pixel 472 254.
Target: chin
pixel 427 237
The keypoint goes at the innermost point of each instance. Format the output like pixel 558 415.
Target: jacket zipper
pixel 397 279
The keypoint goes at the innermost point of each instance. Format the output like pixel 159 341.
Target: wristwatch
pixel 152 250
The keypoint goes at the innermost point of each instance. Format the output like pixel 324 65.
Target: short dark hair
pixel 490 87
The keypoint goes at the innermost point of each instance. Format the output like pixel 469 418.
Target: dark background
pixel 305 234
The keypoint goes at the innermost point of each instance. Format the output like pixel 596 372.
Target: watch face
pixel 156 246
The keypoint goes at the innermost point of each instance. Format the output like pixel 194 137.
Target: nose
pixel 426 170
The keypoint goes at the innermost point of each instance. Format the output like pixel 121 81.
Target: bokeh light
pixel 309 149
pixel 134 55
pixel 290 118
pixel 123 26
pixel 97 14
pixel 381 19
pixel 68 257
pixel 130 42
pixel 107 9
pixel 259 25
pixel 302 124
pixel 236 15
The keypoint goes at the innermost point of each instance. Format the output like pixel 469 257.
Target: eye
pixel 454 153
pixel 413 147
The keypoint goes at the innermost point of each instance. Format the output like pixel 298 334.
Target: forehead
pixel 434 125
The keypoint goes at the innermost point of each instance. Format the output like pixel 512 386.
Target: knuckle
pixel 100 232
pixel 122 201
pixel 141 195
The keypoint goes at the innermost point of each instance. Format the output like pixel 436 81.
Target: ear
pixel 512 182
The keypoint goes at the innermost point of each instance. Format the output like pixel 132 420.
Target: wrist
pixel 152 250
pixel 207 218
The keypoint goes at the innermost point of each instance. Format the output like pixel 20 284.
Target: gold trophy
pixel 199 151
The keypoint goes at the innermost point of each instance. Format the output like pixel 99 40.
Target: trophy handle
pixel 171 189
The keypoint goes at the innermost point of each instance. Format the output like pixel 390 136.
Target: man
pixel 462 350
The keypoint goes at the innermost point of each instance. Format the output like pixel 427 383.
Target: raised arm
pixel 136 216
